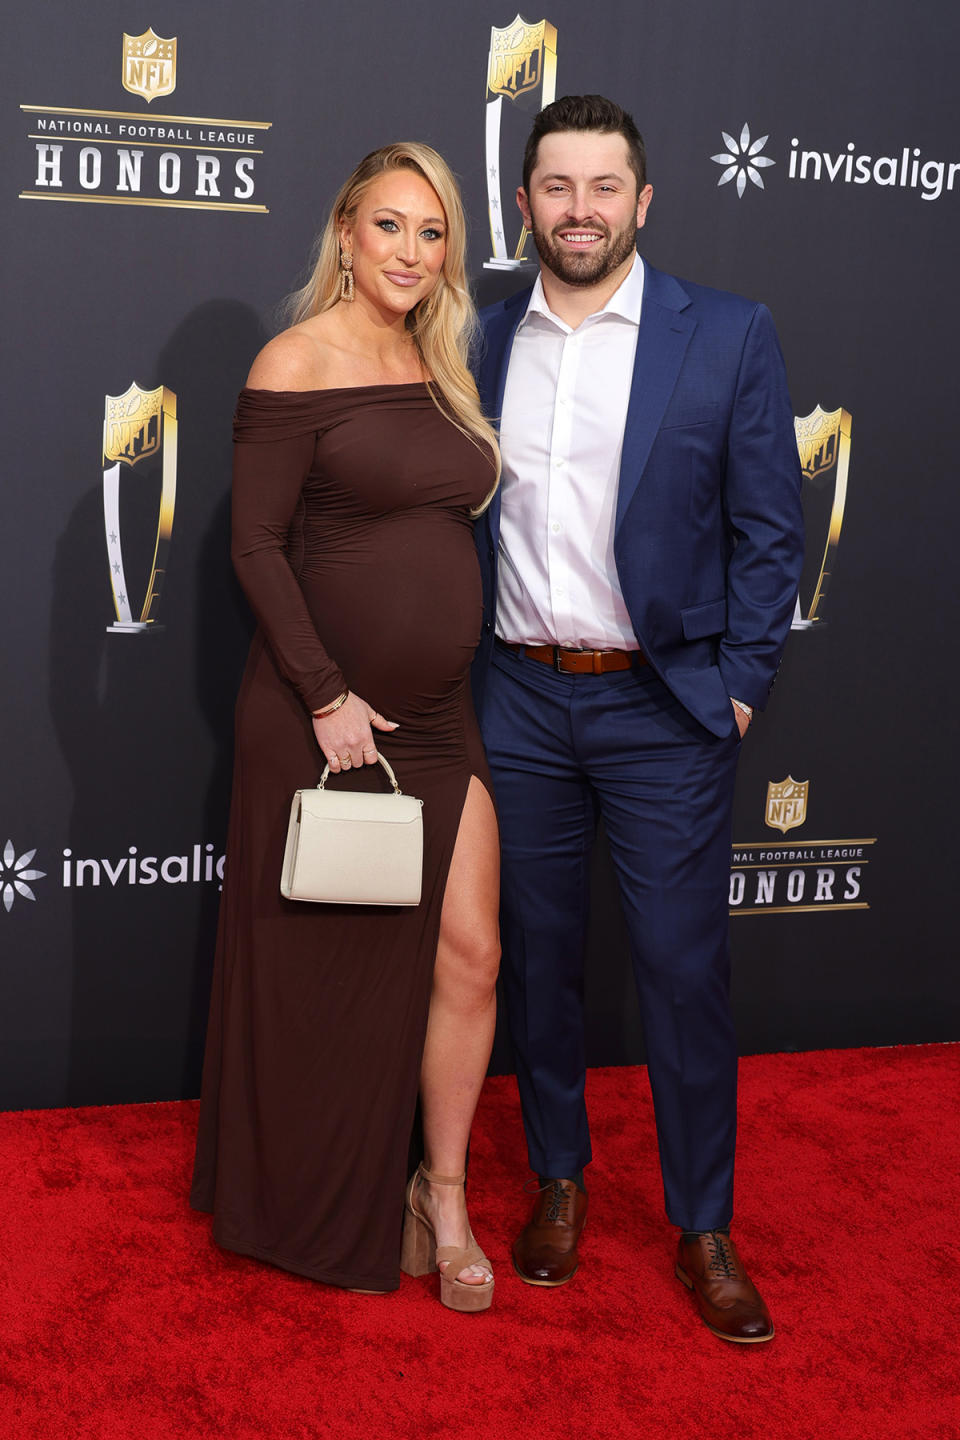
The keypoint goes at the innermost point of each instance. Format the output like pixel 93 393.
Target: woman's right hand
pixel 346 736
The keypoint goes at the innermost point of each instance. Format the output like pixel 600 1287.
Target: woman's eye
pixel 387 224
pixel 432 234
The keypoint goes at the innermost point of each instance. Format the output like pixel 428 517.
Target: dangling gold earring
pixel 346 274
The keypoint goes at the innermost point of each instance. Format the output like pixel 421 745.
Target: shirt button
pixel 555 527
pixel 559 463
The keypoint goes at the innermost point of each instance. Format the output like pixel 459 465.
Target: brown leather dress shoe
pixel 729 1302
pixel 545 1251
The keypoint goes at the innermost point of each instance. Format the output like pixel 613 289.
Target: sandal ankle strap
pixel 435 1179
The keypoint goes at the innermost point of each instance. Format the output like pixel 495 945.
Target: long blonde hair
pixel 443 326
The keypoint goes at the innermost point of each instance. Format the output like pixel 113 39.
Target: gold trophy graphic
pixel 139 427
pixel 823 440
pixel 522 61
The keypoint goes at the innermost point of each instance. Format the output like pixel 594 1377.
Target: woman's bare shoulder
pixel 301 358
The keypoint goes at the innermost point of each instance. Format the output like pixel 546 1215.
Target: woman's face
pixel 398 240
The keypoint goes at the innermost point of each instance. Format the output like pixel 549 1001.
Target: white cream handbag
pixel 351 847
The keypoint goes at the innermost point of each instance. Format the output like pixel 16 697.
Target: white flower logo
pixel 743 160
pixel 14 875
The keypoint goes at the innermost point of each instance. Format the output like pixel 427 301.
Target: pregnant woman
pixel 360 460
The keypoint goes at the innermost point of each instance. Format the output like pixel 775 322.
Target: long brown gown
pixel 353 541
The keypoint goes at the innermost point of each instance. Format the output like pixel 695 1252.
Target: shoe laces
pixel 721 1262
pixel 561 1199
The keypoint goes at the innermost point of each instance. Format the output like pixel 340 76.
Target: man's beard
pixel 588 267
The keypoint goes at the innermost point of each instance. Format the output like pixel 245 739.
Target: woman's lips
pixel 402 277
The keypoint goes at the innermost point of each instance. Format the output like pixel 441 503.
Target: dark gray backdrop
pixel 112 742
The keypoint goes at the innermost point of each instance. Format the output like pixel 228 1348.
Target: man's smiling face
pixel 583 208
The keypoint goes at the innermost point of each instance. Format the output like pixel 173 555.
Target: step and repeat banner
pixel 165 169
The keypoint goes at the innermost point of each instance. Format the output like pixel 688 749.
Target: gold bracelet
pixel 329 709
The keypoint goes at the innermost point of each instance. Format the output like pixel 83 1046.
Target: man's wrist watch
pixel 747 709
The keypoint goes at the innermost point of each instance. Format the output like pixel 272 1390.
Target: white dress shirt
pixel 561 436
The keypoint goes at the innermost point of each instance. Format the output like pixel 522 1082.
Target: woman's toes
pixel 475 1275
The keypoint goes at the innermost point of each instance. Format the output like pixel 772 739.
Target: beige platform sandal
pixel 420 1254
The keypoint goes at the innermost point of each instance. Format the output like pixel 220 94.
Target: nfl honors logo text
pixel 771 877
pixel 119 157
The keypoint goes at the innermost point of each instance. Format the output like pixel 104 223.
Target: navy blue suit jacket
pixel 709 532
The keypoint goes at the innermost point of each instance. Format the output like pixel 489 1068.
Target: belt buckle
pixel 559 650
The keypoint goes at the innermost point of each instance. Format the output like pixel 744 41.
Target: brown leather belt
pixel 579 662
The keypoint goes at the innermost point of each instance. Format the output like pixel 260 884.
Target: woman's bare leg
pixel 462 1016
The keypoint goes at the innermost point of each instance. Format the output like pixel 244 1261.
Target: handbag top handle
pixel 386 765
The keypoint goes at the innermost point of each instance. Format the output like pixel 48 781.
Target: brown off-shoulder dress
pixel 353 540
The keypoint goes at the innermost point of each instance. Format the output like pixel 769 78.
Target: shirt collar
pixel 625 301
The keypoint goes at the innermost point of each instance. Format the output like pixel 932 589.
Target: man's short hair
pixel 586 112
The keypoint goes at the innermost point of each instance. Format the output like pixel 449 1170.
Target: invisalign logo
pixel 14 873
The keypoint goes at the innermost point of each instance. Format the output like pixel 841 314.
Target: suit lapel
pixel 662 342
pixel 499 331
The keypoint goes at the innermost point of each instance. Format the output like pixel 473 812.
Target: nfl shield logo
pixel 786 803
pixel 149 64
pixel 516 56
pixel 132 424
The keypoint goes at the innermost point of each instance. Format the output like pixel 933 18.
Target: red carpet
pixel 120 1319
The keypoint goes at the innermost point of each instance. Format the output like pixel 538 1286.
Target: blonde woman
pixel 361 458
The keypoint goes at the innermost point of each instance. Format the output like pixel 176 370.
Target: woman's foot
pixel 444 1208
pixel 466 1280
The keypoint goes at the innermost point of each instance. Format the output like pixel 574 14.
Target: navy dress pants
pixel 563 750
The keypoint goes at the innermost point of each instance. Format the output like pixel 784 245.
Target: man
pixel 641 564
